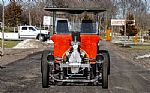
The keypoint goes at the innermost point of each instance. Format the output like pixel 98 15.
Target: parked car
pixel 27 32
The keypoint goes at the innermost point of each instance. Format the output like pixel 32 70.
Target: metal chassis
pixel 77 81
pixel 88 65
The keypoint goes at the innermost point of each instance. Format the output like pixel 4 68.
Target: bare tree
pixel 137 7
pixel 33 11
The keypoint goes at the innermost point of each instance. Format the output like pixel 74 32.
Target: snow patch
pixel 143 56
pixel 30 43
pixel 50 42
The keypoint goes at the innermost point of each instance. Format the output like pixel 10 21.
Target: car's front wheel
pixel 105 73
pixel 45 70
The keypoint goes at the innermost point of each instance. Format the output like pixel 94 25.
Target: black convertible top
pixel 75 10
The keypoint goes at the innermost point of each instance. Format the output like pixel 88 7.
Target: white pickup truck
pixel 26 32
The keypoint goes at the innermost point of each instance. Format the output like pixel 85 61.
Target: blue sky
pixel 5 2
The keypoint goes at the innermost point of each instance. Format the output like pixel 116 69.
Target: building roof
pixel 74 10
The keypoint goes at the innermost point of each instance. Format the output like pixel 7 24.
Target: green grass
pixel 9 43
pixel 141 47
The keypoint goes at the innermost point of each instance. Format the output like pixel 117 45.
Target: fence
pixel 128 39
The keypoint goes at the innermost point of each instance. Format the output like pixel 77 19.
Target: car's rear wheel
pixel 105 73
pixel 45 70
pixel 41 37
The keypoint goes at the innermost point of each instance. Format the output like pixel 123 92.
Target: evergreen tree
pixel 13 14
pixel 130 26
pixel 131 29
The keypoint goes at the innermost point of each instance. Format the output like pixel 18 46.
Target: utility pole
pixel 3 25
pixel 29 17
pixel 54 17
pixel 125 28
pixel 29 14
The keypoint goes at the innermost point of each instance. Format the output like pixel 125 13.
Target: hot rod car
pixel 76 57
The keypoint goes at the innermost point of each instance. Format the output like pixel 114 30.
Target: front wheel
pixel 107 57
pixel 105 73
pixel 45 70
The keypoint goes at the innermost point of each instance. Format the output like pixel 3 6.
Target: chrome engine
pixel 74 57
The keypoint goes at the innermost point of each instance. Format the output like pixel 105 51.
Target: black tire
pixel 45 70
pixel 106 54
pixel 105 73
pixel 41 37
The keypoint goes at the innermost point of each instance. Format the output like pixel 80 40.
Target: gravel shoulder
pixel 12 55
pixel 130 54
pixel 22 50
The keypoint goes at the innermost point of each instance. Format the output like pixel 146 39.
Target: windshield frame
pixel 71 28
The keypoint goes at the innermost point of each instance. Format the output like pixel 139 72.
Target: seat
pixel 62 26
pixel 87 26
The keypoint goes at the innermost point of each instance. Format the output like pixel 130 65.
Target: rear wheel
pixel 41 37
pixel 105 73
pixel 45 70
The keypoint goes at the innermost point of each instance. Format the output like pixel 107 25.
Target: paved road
pixel 23 76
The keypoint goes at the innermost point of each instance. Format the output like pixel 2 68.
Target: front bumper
pixel 96 79
pixel 74 65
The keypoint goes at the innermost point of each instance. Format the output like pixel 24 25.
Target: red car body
pixel 88 44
